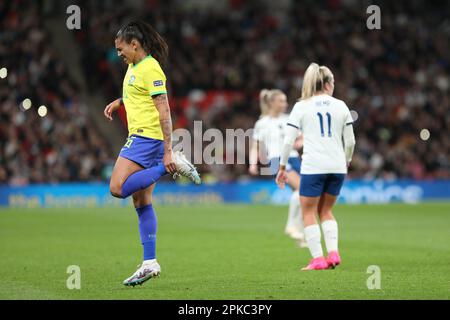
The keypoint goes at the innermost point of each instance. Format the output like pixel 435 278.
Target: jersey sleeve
pixel 348 116
pixel 294 119
pixel 257 131
pixel 155 80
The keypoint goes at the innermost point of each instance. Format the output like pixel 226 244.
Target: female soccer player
pixel 269 135
pixel 147 154
pixel 325 122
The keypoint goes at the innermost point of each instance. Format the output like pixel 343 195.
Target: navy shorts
pixel 313 185
pixel 146 152
pixel 293 164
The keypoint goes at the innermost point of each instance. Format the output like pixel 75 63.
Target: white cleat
pixel 185 168
pixel 145 272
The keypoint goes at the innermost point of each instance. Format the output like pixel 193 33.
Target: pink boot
pixel 333 259
pixel 316 264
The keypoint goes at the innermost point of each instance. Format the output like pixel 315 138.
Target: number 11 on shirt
pixel 321 123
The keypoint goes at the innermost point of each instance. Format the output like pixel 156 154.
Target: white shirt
pixel 271 132
pixel 322 120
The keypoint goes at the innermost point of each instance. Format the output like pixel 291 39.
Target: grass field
pixel 224 252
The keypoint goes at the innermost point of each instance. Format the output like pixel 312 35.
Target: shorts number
pixel 129 142
pixel 322 133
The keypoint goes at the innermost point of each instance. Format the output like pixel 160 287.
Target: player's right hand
pixel 281 178
pixel 110 108
pixel 168 162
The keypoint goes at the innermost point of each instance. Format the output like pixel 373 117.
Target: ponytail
pixel 150 40
pixel 314 80
pixel 264 102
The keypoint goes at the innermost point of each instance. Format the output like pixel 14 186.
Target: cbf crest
pixel 132 78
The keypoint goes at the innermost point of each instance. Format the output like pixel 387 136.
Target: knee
pixel 115 190
pixel 308 209
pixel 325 215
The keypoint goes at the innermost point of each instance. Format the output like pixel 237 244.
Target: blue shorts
pixel 293 164
pixel 313 185
pixel 146 152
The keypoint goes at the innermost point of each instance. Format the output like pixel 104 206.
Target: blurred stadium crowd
pixel 65 145
pixel 397 79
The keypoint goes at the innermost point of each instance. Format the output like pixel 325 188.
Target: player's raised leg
pixel 128 177
pixel 142 179
pixel 123 168
pixel 147 229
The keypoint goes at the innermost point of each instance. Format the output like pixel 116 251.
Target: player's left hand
pixel 169 164
pixel 281 178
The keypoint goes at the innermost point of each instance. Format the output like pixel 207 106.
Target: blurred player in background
pixel 268 136
pixel 329 141
pixel 147 154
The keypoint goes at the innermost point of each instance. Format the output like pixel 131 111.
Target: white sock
pixel 312 236
pixel 294 215
pixel 330 234
pixel 294 205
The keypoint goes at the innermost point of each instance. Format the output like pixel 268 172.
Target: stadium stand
pixel 396 79
pixel 63 146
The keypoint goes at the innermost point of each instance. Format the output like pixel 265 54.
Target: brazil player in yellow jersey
pixel 147 154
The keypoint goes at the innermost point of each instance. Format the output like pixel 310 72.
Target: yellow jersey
pixel 143 81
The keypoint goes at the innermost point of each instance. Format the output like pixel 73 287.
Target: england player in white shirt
pixel 268 137
pixel 329 141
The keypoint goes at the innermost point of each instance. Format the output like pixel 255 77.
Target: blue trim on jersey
pixel 314 185
pixel 290 124
pixel 146 152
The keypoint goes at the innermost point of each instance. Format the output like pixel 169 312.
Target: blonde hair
pixel 265 97
pixel 314 80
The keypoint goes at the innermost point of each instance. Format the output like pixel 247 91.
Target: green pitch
pixel 224 252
